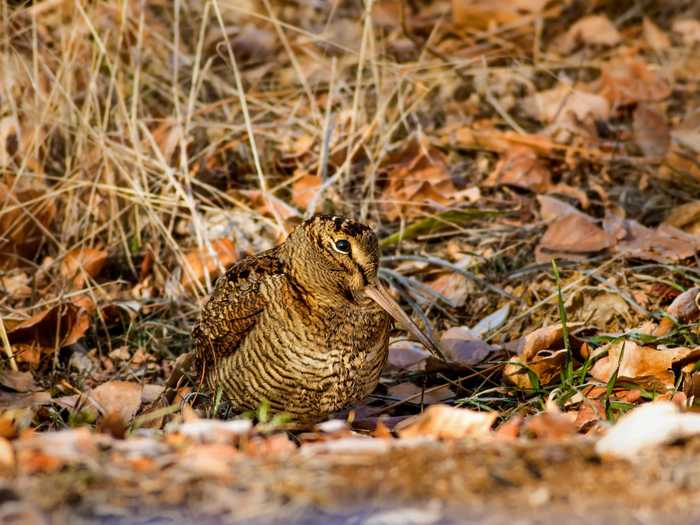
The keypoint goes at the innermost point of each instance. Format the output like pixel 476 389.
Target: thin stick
pixel 7 347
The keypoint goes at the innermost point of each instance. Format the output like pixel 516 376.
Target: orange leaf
pixel 81 263
pixel 446 422
pixel 200 260
pixel 304 189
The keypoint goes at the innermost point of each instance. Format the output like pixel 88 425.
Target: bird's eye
pixel 342 246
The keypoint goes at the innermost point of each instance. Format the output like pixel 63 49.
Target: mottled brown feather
pixel 291 326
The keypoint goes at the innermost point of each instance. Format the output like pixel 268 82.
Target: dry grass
pixel 136 127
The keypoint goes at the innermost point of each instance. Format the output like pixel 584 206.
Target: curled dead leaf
pixel 61 325
pixel 81 263
pixel 545 365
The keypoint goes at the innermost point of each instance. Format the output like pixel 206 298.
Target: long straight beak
pixel 379 295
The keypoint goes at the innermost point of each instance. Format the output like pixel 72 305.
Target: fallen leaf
pixel 685 307
pixel 122 398
pixel 418 178
pixel 648 425
pixel 213 430
pixel 463 347
pixel 593 30
pixel 566 106
pixel 492 321
pixel 575 233
pixel 521 167
pixel 541 339
pixel 663 244
pixel 24 214
pixel 81 263
pixel 201 260
pixel 685 217
pixel 418 394
pixel 642 365
pixel 304 189
pixel 551 208
pixel 453 287
pixel 50 451
pixel 651 131
pixel 655 37
pixel 446 422
pixel 59 326
pixel 407 355
pixel 15 284
pixel 688 29
pixel 546 365
pixel 552 424
pixel 17 381
pixel 628 81
pixel 603 308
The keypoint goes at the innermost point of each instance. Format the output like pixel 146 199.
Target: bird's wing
pixel 234 307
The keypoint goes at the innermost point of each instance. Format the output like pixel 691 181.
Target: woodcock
pixel 304 326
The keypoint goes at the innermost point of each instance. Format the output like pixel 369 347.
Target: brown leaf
pixel 575 233
pixel 655 37
pixel 566 106
pixel 546 365
pixel 603 308
pixel 200 260
pixel 304 189
pixel 59 326
pixel 463 347
pixel 541 339
pixel 688 29
pixel 483 14
pixel 15 284
pixel 628 81
pixel 663 244
pixel 418 394
pixel 120 399
pixel 685 217
pixel 17 381
pixel 81 263
pixel 418 178
pixel 685 307
pixel 594 30
pixel 521 167
pixel 551 424
pixel 551 208
pixel 446 422
pixel 453 287
pixel 23 214
pixel 651 131
pixel 642 365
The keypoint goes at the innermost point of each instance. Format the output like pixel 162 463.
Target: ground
pixel 531 170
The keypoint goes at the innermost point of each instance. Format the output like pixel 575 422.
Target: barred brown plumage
pixel 304 326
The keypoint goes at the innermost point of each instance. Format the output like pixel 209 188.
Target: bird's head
pixel 336 259
pixel 333 255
